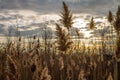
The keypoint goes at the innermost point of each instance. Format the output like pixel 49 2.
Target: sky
pixel 77 6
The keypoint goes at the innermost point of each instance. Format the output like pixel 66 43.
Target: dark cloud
pixel 55 5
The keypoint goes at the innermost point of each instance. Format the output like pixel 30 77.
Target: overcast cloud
pixel 89 6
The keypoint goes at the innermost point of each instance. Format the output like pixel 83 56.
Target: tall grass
pixel 46 61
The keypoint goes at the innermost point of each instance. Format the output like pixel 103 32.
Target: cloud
pixel 53 5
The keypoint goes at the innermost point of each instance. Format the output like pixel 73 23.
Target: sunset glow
pixel 87 34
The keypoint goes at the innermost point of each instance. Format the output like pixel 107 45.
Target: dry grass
pixel 35 61
pixel 35 64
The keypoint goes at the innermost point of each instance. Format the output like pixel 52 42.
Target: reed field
pixel 64 57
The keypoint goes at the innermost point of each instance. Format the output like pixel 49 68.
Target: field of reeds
pixel 62 59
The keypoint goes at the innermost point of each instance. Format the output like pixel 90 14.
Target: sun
pixel 81 24
pixel 87 34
